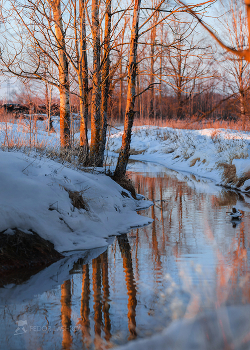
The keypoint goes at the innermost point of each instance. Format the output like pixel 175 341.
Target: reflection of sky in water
pixel 188 260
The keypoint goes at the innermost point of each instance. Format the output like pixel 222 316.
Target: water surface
pixel 190 259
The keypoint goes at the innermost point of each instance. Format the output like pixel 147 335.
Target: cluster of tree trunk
pixel 86 50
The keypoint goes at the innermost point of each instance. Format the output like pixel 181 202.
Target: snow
pixel 219 329
pixel 34 196
pixel 34 189
pixel 242 166
pixel 199 152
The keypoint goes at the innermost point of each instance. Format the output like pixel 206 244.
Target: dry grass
pixel 192 123
pixel 229 173
pixel 242 180
pixel 230 178
pixel 193 162
pixel 77 200
pixel 134 152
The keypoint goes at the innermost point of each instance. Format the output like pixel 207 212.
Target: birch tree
pixel 245 52
pixel 80 64
pixel 39 33
pixel 129 115
pixel 96 89
pixel 237 69
pixel 63 69
pixel 105 82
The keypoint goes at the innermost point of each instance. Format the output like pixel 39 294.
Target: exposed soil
pixel 23 255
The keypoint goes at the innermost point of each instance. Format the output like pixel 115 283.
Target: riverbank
pixel 219 154
pixel 70 208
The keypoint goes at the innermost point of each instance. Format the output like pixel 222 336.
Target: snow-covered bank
pixel 225 328
pixel 222 155
pixel 36 194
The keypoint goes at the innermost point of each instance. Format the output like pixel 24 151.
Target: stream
pixel 191 259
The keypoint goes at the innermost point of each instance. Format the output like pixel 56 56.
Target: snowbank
pixel 35 195
pixel 225 328
pixel 218 154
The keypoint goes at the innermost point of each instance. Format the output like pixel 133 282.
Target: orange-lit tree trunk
pixel 96 90
pixel 152 73
pixel 122 162
pixel 63 68
pixel 83 85
pixel 105 82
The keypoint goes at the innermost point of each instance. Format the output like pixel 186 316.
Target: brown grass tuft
pixel 134 152
pixel 193 162
pixel 229 173
pixel 77 200
pixel 242 179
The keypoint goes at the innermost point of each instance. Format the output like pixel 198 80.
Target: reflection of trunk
pixel 129 116
pixel 106 306
pixel 155 249
pixel 66 314
pixel 63 75
pixel 96 90
pixel 105 82
pixel 97 287
pixel 84 312
pixel 83 85
pixel 131 288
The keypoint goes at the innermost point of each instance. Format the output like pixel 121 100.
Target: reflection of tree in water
pixel 97 290
pixel 101 305
pixel 106 300
pixel 84 312
pixel 66 314
pixel 176 232
pixel 130 283
pixel 155 250
pixel 183 215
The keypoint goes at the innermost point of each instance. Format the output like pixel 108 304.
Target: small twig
pixel 150 85
pixel 29 165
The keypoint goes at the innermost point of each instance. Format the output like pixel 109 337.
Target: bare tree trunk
pixel 161 61
pixel 63 75
pixel 105 82
pixel 83 85
pixel 152 78
pixel 96 90
pixel 121 92
pixel 129 116
pixel 48 98
pixel 242 109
